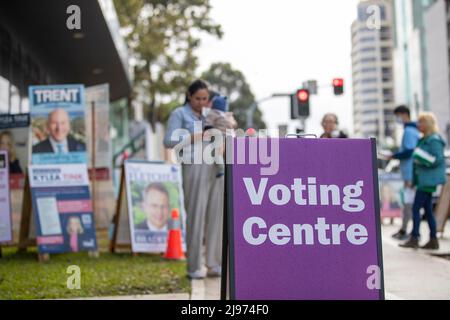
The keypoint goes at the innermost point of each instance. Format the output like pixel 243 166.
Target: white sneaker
pixel 199 274
pixel 215 272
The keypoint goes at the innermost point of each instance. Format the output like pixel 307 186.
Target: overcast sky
pixel 279 44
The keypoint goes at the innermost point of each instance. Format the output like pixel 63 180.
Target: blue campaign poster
pixel 62 208
pixel 58 124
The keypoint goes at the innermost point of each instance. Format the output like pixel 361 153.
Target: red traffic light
pixel 338 82
pixel 338 86
pixel 302 95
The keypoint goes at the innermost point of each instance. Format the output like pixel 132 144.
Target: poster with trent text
pixel 58 124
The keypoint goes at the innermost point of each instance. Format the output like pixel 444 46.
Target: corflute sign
pixel 311 228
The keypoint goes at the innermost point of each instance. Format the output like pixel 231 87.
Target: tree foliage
pixel 162 36
pixel 232 83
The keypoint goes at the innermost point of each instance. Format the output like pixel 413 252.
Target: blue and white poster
pixel 62 208
pixel 58 124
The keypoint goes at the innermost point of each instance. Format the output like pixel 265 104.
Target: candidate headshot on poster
pixel 14 137
pixel 5 200
pixel 58 124
pixel 156 206
pixel 153 190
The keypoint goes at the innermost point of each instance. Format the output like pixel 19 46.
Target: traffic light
pixel 302 97
pixel 338 86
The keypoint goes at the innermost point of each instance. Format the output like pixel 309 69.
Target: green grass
pixel 23 277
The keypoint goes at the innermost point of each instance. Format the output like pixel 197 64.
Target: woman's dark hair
pixel 213 94
pixel 194 87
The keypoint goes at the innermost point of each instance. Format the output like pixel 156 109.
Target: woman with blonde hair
pixel 429 172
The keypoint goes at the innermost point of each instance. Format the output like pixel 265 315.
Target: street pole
pixel 93 169
pixel 251 110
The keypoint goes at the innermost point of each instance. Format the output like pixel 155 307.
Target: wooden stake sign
pixel 5 201
pixel 443 206
pixel 149 191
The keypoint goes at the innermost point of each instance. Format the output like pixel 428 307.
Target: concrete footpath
pixel 416 274
pixel 408 273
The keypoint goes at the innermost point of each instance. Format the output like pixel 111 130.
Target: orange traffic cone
pixel 174 242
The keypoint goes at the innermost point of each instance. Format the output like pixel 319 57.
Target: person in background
pixel 330 127
pixel 203 192
pixel 410 139
pixel 429 172
pixel 7 143
pixel 219 118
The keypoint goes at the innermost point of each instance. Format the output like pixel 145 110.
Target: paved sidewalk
pixel 408 274
pixel 174 296
pixel 416 274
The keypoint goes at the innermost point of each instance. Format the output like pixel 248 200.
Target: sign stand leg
pixel 116 219
pixel 43 257
pixel 224 280
pixel 94 254
pixel 25 219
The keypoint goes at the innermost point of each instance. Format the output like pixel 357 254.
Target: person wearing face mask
pixel 203 192
pixel 410 139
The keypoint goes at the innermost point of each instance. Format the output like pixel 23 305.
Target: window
pixel 370 101
pixel 372 90
pixel 369 49
pixel 372 59
pixel 365 70
pixel 367 39
pixel 4 95
pixel 369 80
pixel 17 71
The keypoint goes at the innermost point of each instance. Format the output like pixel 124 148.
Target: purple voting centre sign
pixel 309 226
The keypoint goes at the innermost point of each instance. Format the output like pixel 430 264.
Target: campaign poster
pixel 5 200
pixel 304 219
pixel 58 124
pixel 393 195
pixel 14 137
pixel 97 97
pixel 62 208
pixel 153 191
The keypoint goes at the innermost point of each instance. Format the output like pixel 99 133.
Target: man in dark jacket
pixel 410 139
pixel 59 140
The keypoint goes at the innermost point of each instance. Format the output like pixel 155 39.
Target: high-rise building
pixel 410 55
pixel 372 70
pixel 437 26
